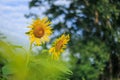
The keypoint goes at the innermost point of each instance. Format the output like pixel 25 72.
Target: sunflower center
pixel 38 32
pixel 59 45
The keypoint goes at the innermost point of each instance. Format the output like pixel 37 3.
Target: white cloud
pixel 12 8
pixel 12 20
pixel 13 1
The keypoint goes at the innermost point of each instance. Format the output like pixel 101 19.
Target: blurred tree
pixel 94 27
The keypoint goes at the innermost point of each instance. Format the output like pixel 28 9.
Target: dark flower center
pixel 38 32
pixel 59 45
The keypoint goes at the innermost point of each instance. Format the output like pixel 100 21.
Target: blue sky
pixel 12 21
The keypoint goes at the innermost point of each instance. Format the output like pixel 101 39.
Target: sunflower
pixel 59 45
pixel 40 31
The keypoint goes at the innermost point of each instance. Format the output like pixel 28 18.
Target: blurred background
pixel 94 27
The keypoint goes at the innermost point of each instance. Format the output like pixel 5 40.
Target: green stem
pixel 30 47
pixel 28 54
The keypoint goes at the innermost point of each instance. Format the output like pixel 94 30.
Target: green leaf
pixel 7 70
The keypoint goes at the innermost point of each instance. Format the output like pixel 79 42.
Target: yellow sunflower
pixel 40 31
pixel 59 45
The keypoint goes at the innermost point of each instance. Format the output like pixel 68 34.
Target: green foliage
pixel 94 29
pixel 19 64
pixel 91 60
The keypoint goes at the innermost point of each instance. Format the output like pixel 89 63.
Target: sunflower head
pixel 59 45
pixel 40 31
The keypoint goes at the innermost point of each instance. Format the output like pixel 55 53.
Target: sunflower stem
pixel 28 54
pixel 30 47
